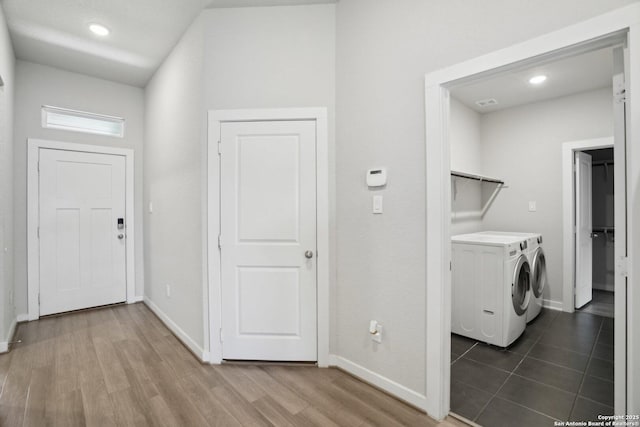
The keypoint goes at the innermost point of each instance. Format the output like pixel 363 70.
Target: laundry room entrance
pixel 518 346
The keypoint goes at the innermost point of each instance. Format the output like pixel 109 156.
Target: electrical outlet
pixel 377 337
pixel 168 291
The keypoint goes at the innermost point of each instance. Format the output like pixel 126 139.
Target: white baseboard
pixel 178 332
pixel 553 305
pixel 4 345
pixel 22 318
pixel 398 390
pixel 332 360
pixel 135 299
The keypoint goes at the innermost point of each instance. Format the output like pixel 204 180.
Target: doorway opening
pixel 596 296
pixel 504 202
pixel 439 86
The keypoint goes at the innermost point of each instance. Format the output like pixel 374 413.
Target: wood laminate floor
pixel 120 366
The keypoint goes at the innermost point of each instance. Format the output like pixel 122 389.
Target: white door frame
pixel 216 118
pixel 33 207
pixel 568 217
pixel 620 23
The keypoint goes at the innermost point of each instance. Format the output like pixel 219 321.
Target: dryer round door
pixel 539 274
pixel 521 285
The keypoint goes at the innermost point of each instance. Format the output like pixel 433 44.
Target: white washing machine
pixel 490 287
pixel 538 264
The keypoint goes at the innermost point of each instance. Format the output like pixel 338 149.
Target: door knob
pixel 308 254
pixel 120 236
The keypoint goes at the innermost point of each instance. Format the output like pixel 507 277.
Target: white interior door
pixel 268 240
pixel 82 251
pixel 584 228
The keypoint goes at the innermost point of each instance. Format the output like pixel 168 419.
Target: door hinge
pixel 219 147
pixel 622 266
pixel 219 242
pixel 38 231
pixel 619 91
pixel 38 166
pixel 38 299
pixel 221 335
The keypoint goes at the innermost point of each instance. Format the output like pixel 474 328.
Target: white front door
pixel 82 250
pixel 584 229
pixel 268 240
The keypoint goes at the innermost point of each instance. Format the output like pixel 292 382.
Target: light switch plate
pixel 532 206
pixel 377 204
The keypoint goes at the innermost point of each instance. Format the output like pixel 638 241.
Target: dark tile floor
pixel 560 369
pixel 602 303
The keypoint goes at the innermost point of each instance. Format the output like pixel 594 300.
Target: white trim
pixel 24 317
pixel 552 305
pixel 4 345
pixel 136 299
pixel 33 243
pixel 216 117
pixel 193 346
pixel 398 390
pixel 438 286
pixel 568 216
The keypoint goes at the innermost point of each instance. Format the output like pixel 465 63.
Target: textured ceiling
pixel 54 32
pixel 143 32
pixel 581 73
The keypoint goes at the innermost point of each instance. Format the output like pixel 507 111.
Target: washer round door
pixel 539 274
pixel 521 286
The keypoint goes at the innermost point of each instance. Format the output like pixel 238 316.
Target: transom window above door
pixel 81 121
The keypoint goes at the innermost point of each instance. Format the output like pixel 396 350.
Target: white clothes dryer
pixel 490 287
pixel 538 263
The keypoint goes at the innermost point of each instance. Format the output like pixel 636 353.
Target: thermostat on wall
pixel 377 177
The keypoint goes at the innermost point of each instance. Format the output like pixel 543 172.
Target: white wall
pixel 522 146
pixel 174 148
pixel 272 57
pixel 384 49
pixel 38 85
pixel 466 194
pixel 7 65
pixel 275 57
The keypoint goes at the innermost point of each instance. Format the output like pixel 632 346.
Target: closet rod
pixel 476 177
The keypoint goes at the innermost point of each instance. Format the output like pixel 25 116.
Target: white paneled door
pixel 268 240
pixel 584 228
pixel 82 248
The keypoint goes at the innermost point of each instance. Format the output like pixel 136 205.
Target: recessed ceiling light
pixel 536 80
pixel 99 30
